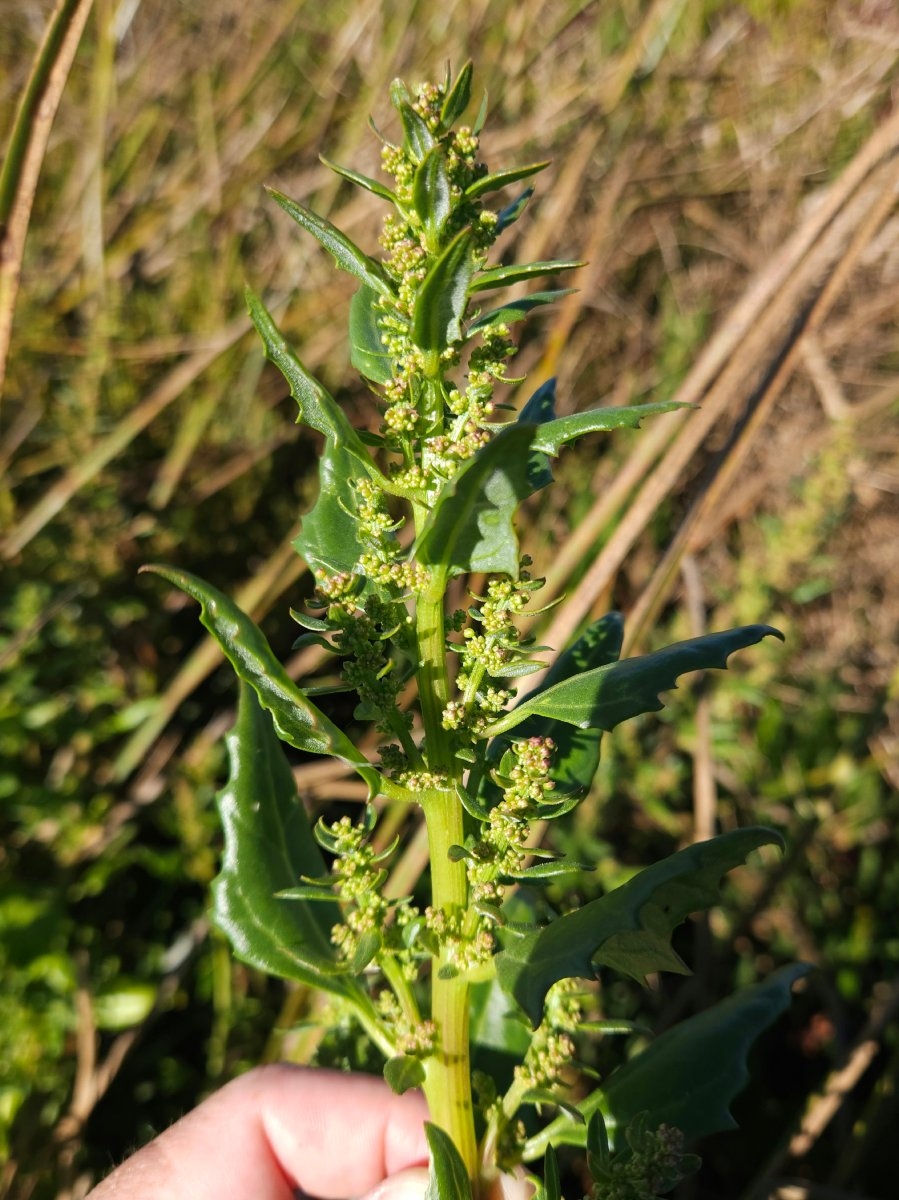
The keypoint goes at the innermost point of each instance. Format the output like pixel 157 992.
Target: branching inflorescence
pixel 430 496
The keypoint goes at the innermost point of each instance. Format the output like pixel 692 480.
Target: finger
pixel 275 1130
pixel 407 1185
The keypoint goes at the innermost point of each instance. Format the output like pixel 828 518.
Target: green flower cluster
pixel 372 927
pixel 497 651
pixel 552 1048
pixel 430 423
pixel 649 1164
pixel 500 849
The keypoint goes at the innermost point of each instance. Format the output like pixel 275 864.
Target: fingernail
pixel 406 1185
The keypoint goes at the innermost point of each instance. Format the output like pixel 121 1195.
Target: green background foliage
pixel 689 144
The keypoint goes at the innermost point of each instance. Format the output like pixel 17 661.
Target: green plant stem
pixel 433 686
pixel 448 1071
pixel 401 989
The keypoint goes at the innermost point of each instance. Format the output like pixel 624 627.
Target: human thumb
pixel 410 1184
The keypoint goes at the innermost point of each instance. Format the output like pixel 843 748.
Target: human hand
pixel 279 1132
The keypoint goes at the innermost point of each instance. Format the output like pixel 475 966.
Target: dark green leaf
pixel 404 1072
pixel 329 533
pixel 363 181
pixel 431 194
pixel 399 93
pixel 449 1178
pixel 457 98
pixel 481 117
pixel 555 434
pixel 509 215
pixel 552 1187
pixel 313 892
pixel 517 273
pixel 309 622
pixel 548 870
pixel 345 253
pixel 470 527
pixel 598 1147
pixel 628 929
pixel 268 847
pixel 317 407
pixel 367 948
pixel 495 1023
pixel 517 310
pixel 440 301
pixel 539 409
pixel 367 353
pixel 540 1096
pixel 605 696
pixel 610 1026
pixel 515 670
pixel 500 179
pixel 419 139
pixel 297 721
pixel 689 1076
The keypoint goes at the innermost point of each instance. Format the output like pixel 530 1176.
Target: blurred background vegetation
pixel 730 170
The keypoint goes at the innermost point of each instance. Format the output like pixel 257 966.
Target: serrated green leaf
pixel 403 1072
pixel 268 847
pixel 363 181
pixel 317 407
pixel 449 1178
pixel 329 533
pixel 418 137
pixel 470 527
pixel 431 195
pixel 457 99
pixel 519 273
pixel 441 300
pixel 367 353
pixel 346 254
pixel 500 179
pixel 689 1076
pixel 517 310
pixel 555 434
pixel 629 929
pixel 606 696
pixel 297 721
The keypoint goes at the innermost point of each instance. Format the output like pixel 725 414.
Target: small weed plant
pixel 469 968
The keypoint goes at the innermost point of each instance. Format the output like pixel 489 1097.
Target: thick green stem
pixel 433 685
pixel 448 1071
pixel 448 1078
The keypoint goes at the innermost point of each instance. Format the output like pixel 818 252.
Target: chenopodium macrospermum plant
pixel 443 978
